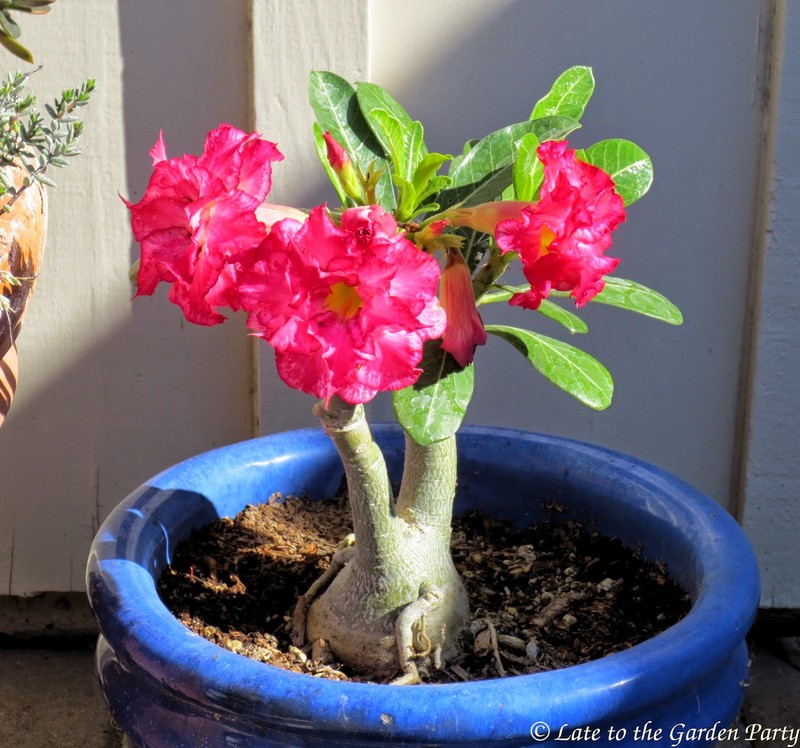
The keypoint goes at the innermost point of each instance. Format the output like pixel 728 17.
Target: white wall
pixel 771 467
pixel 111 391
pixel 682 80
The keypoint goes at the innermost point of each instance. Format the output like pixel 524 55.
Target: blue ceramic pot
pixel 169 688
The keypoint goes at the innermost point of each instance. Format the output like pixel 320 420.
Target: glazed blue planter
pixel 169 688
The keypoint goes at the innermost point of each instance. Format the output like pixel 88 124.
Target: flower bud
pixel 486 216
pixel 465 329
pixel 432 237
pixel 340 162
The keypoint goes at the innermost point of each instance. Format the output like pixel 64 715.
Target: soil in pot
pixel 543 598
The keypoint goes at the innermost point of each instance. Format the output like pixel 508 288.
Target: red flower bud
pixel 340 162
pixel 465 329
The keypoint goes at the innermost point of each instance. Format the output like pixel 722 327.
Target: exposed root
pixel 410 678
pixel 412 637
pixel 339 559
pixel 501 671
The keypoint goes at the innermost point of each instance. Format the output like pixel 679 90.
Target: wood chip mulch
pixel 541 599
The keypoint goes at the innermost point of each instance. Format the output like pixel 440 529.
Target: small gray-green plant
pixel 27 140
pixel 30 142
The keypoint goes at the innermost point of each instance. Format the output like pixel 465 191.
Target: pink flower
pixel 465 329
pixel 198 215
pixel 347 308
pixel 562 238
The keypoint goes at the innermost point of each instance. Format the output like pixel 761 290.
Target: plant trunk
pixel 398 601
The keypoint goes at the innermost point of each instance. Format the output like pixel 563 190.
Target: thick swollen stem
pixel 429 484
pixel 369 489
pixel 401 555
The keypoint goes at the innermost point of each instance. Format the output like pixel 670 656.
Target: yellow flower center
pixel 546 240
pixel 343 301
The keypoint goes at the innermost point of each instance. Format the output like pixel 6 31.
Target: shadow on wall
pixel 150 389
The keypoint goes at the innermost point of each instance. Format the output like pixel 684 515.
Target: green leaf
pixel 336 108
pixel 528 170
pixel 392 125
pixel 640 299
pixel 426 170
pixel 401 143
pixel 569 368
pixel 569 94
pixel 627 164
pixel 38 7
pixel 16 48
pixel 433 408
pixel 487 169
pixel 322 154
pixel 405 198
pixel 372 96
pixel 8 25
pixel 44 179
pixel 564 317
pixel 434 186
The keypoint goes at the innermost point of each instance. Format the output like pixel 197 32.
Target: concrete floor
pixel 49 697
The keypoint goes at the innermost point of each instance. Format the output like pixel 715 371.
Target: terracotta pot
pixel 169 688
pixel 23 231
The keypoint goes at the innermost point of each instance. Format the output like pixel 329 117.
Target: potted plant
pixel 383 294
pixel 29 146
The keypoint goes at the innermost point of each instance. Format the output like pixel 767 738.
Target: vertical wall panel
pixel 111 392
pixel 289 41
pixel 772 469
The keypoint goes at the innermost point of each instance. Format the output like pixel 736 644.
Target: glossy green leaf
pixel 569 368
pixel 627 164
pixel 427 168
pixel 337 110
pixel 495 297
pixel 487 169
pixel 373 99
pixel 569 94
pixel 640 299
pixel 433 408
pixel 405 199
pixel 564 317
pixel 572 322
pixel 403 143
pixel 433 187
pixel 528 170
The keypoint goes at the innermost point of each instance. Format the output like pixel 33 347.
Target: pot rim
pixel 723 608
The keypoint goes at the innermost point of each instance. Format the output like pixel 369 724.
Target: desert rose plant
pixel 383 294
